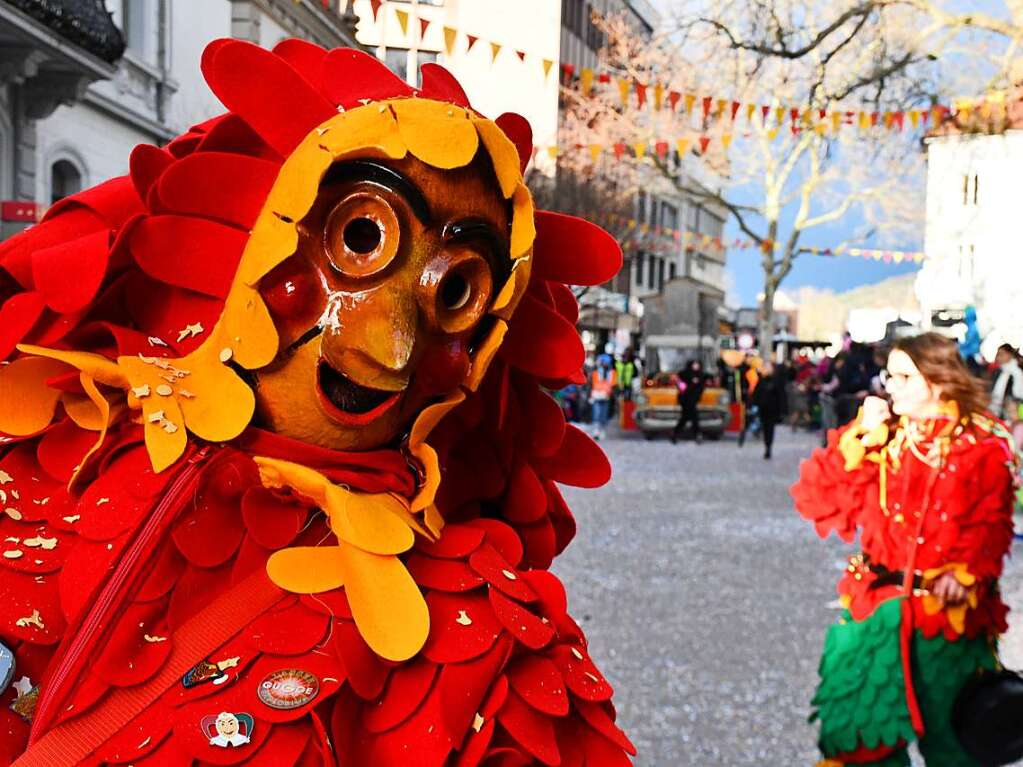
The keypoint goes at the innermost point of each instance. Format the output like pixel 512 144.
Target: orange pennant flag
pixel 779 115
pixel 450 36
pixel 965 110
pixel 722 105
pixel 682 145
pixel 402 20
pixel 586 80
pixel 726 140
pixel 864 120
pixel 820 128
pixel 552 151
pixel 623 90
pixel 914 117
pixel 690 100
pixel 640 149
pixel 751 109
pixel 772 134
pixel 658 96
pixel 547 64
pixel 495 48
pixel 836 121
pixel 595 150
pixel 887 119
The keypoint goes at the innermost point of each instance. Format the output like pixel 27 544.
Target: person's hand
pixel 875 413
pixel 948 589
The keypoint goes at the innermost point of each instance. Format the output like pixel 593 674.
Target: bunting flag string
pixel 655 239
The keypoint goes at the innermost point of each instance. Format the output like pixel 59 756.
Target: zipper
pixel 138 551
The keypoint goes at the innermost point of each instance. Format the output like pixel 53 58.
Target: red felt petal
pixel 539 683
pixel 283 748
pixel 476 746
pixel 455 542
pixel 462 627
pixel 69 275
pixel 597 716
pixel 164 311
pixel 501 537
pixel 367 673
pixel 540 542
pixel 20 596
pixel 208 532
pixel 496 570
pixel 34 560
pixel 188 252
pixel 406 689
pixel 516 127
pixel 17 317
pixel 530 728
pixel 463 686
pixel 439 84
pixel 147 164
pixel 197 587
pixel 561 517
pixel 349 76
pixel 418 741
pixel 542 342
pixel 139 738
pixel 87 566
pixel 271 519
pixel 581 675
pixel 127 659
pixel 13 735
pixel 525 500
pixel 233 134
pixel 169 754
pixel 237 199
pixel 600 752
pixel 75 221
pixel 63 447
pixel 561 239
pixel 564 301
pixel 545 418
pixel 293 630
pixel 443 574
pixel 520 622
pixel 579 461
pixel 161 574
pixel 261 87
pixel 36 489
pixel 332 603
pixel 304 57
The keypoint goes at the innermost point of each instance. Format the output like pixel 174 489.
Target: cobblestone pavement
pixel 705 599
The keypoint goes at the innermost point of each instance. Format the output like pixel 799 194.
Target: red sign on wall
pixel 21 211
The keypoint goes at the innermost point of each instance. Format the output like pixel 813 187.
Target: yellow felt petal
pixel 246 328
pixel 83 411
pixel 409 519
pixel 164 430
pixel 431 416
pixel 427 457
pixel 387 605
pixel 371 130
pixel 523 226
pixel 503 155
pixel 485 355
pixel 271 241
pixel 369 521
pixel 221 405
pixel 434 521
pixel 98 367
pixel 309 483
pixel 103 411
pixel 438 134
pixel 298 182
pixel 306 569
pixel 27 404
pixel 512 290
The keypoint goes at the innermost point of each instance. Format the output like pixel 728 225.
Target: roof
pixel 86 23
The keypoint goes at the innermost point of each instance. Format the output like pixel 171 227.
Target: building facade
pixel 80 133
pixel 974 255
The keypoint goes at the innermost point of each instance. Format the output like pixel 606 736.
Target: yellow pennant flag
pixel 751 109
pixel 807 117
pixel 623 90
pixel 402 20
pixel 632 223
pixel 897 256
pixel 726 140
pixel 552 151
pixel 836 121
pixel 864 120
pixel 547 64
pixel 914 117
pixel 779 114
pixel 658 96
pixel 450 35
pixel 595 150
pixel 821 128
pixel 495 48
pixel 985 110
pixel 586 80
pixel 690 99
pixel 682 145
pixel 772 134
pixel 722 105
pixel 640 149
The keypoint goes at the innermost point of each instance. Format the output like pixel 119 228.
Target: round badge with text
pixel 288 688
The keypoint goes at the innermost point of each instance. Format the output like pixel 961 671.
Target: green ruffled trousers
pixel 861 700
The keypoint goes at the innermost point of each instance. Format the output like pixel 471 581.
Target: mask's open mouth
pixel 350 403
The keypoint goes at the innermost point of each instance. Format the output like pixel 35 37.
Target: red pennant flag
pixel 764 112
pixel 707 104
pixel 604 77
pixel 640 94
pixel 898 118
pixel 472 41
pixel 794 114
pixel 375 5
pixel 822 113
pixel 704 143
pixel 661 147
pixel 673 97
pixel 521 55
pixel 568 69
pixel 874 117
pixel 735 109
pixel 619 150
pixel 423 24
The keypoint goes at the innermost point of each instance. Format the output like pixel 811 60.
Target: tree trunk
pixel 766 328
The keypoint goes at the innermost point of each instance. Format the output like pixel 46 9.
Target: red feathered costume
pixel 139 528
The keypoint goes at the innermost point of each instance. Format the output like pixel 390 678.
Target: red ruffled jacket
pixel 966 526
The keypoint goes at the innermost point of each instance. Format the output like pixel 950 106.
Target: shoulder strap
pixel 70 743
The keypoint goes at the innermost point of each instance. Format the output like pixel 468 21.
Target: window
pixel 423 57
pixel 660 274
pixel 641 199
pixel 65 180
pixel 669 216
pixel 651 275
pixel 396 60
pixel 638 260
pixel 976 181
pixel 672 269
pixel 137 25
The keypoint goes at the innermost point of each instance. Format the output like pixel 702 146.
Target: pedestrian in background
pixel 771 403
pixel 827 393
pixel 1007 393
pixel 602 386
pixel 691 386
pixel 627 371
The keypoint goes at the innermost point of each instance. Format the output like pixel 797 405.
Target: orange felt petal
pixel 306 569
pixel 387 605
pixel 27 404
pixel 103 416
pixel 503 155
pixel 508 297
pixel 371 130
pixel 221 404
pixel 438 134
pixel 247 329
pixel 272 240
pixel 369 522
pixel 164 443
pixel 523 226
pixel 98 367
pixel 485 355
pixel 426 455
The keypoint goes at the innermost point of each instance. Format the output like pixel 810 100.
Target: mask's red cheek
pixel 443 367
pixel 293 291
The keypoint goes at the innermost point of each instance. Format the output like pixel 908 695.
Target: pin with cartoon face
pixel 227 730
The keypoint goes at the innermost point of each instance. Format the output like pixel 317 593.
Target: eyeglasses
pixel 900 379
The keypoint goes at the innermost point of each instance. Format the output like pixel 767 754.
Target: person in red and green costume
pixel 927 484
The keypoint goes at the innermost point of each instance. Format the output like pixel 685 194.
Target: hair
pixel 938 360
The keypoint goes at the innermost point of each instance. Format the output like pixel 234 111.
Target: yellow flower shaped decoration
pixel 956 614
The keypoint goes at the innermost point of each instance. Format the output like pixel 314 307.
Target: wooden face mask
pixel 379 309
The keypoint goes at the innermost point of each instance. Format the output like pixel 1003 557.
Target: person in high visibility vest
pixel 603 381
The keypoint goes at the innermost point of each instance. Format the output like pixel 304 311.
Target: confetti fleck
pixel 5 477
pixel 103 500
pixel 72 519
pixel 478 722
pixel 226 354
pixel 164 390
pixel 13 554
pixel 144 743
pixel 141 391
pixel 14 514
pixel 12 539
pixel 42 501
pixel 154 341
pixel 509 575
pixel 463 619
pixel 15 495
pixel 154 639
pixel 169 427
pixel 35 619
pixel 40 542
pixel 190 330
pixel 155 417
pixel 147 360
pixel 577 654
pixel 186 394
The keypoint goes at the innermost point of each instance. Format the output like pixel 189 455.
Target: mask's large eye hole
pixel 362 233
pixel 455 292
pixel 463 288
